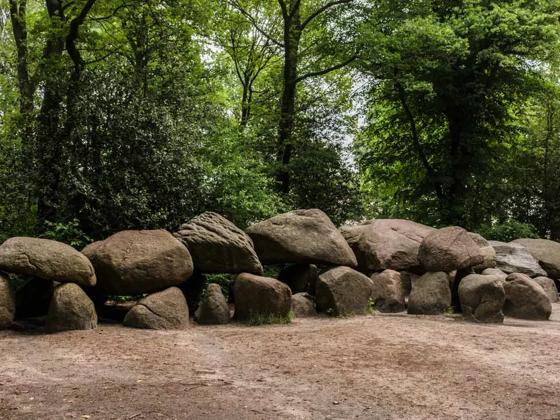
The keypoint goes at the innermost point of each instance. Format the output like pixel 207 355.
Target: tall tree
pixel 52 128
pixel 18 17
pixel 250 51
pixel 447 75
pixel 297 16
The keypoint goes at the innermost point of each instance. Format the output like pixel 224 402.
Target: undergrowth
pixel 269 319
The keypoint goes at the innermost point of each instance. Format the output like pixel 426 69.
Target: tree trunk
pixel 430 172
pixel 246 99
pixel 25 85
pixel 52 133
pixel 49 145
pixel 454 210
pixel 292 36
pixel 548 205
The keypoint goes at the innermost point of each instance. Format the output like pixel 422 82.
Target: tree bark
pixel 48 143
pixel 293 30
pixel 52 131
pixel 292 37
pixel 454 210
pixel 25 84
pixel 548 206
pixel 432 175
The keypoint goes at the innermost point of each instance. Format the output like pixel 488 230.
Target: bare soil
pixel 380 366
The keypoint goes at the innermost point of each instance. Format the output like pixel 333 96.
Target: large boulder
pixel 430 295
pixel 388 293
pixel 448 249
pixel 549 287
pixel 525 298
pixel 218 246
pixel 300 277
pixel 165 310
pixel 301 236
pixel 487 251
pixel 495 272
pixel 546 252
pixel 7 303
pixel 343 291
pixel 71 309
pixel 303 305
pixel 482 298
pixel 386 244
pixel 46 259
pixel 515 258
pixel 213 308
pixel 134 262
pixel 257 296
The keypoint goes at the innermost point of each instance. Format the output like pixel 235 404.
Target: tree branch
pixel 73 35
pixel 295 8
pixel 416 140
pixel 254 22
pixel 284 9
pixel 113 13
pixel 327 70
pixel 322 10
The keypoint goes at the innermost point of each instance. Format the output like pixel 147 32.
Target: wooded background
pixel 120 114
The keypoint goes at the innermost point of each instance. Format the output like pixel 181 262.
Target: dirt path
pixel 368 367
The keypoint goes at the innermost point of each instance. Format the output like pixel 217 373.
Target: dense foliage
pixel 122 114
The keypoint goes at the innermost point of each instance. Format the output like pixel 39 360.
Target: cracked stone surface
pixel 482 298
pixel 386 243
pixel 218 246
pixel 166 310
pixel 139 261
pixel 71 309
pixel 515 258
pixel 449 249
pixel 46 259
pixel 301 236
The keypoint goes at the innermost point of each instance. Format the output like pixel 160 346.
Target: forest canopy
pixel 119 114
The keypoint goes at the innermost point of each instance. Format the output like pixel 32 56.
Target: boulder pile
pixel 311 266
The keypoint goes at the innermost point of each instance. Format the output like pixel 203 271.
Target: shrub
pixel 507 232
pixel 268 319
pixel 70 233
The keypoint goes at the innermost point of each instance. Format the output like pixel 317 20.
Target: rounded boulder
pixel 46 259
pixel 218 246
pixel 482 298
pixel 303 305
pixel 546 252
pixel 449 249
pixel 71 309
pixel 165 310
pixel 343 291
pixel 549 287
pixel 134 262
pixel 388 293
pixel 515 258
pixel 386 244
pixel 213 308
pixel 257 296
pixel 301 236
pixel 525 298
pixel 430 294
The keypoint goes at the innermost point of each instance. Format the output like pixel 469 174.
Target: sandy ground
pixel 380 366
